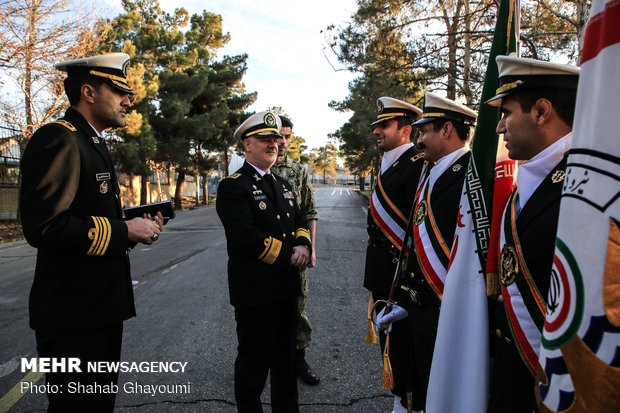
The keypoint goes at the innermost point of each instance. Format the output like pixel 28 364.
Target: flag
pixel 579 367
pixel 460 370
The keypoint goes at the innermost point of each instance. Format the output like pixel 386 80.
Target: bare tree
pixel 34 35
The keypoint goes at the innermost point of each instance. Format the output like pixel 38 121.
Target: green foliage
pixel 189 103
pixel 324 160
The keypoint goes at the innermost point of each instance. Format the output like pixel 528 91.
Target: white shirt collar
pixel 96 131
pixel 261 172
pixel 445 162
pixel 391 156
pixel 531 174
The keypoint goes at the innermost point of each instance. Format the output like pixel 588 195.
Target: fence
pixel 10 155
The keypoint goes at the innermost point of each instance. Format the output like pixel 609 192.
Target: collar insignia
pixel 558 176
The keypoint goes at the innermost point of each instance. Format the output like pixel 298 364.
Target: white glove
pixel 397 313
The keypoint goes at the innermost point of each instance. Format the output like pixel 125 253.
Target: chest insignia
pixel 260 197
pixel 262 205
pixel 420 213
pixel 103 188
pixel 558 176
pixel 256 177
pixel 102 176
pixel 95 139
pixel 457 167
pixel 508 265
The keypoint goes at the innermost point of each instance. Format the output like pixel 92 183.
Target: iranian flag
pixel 579 367
pixel 460 369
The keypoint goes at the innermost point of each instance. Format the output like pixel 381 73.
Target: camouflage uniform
pixel 297 176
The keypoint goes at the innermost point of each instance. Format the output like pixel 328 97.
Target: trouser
pixel 512 384
pixel 423 320
pixel 266 344
pixel 304 329
pixel 101 344
pixel 399 351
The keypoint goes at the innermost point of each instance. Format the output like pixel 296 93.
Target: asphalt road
pixel 184 316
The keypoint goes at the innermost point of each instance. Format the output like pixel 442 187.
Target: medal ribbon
pixel 525 306
pixel 431 250
pixel 388 217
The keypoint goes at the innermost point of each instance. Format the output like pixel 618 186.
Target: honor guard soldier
pixel 297 177
pixel 71 212
pixel 388 212
pixel 537 102
pixel 268 243
pixel 445 130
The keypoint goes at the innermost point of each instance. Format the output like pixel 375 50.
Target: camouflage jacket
pixel 297 176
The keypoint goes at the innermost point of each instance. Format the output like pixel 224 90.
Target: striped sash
pixel 431 250
pixel 525 306
pixel 388 217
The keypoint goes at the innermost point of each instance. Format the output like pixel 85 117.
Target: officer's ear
pixel 88 93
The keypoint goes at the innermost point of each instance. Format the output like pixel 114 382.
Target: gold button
pixel 498 332
pixel 278 217
pixel 412 275
pixel 283 235
pixel 288 215
pixel 293 233
pixel 500 298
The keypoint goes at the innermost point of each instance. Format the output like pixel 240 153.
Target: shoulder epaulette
pixel 66 124
pixel 416 157
pixel 235 175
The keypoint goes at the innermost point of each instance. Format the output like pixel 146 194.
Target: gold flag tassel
pixel 388 376
pixel 371 337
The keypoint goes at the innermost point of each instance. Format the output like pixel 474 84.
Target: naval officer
pixel 537 101
pixel 268 244
pixel 71 212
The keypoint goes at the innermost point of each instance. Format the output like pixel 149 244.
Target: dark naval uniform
pixel 71 212
pixel 512 383
pixel 262 224
pixel 399 183
pixel 415 295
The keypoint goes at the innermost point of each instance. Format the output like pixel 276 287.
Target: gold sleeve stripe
pixel 100 235
pixel 272 250
pixel 302 232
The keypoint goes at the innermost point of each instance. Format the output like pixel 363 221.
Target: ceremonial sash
pixel 388 217
pixel 431 250
pixel 525 306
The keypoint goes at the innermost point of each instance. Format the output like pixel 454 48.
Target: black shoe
pixel 303 369
pixel 306 374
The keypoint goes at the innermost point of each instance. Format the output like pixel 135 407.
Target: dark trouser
pixel 423 321
pixel 101 344
pixel 512 384
pixel 400 352
pixel 266 344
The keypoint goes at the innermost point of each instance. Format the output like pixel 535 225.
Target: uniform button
pixel 498 332
pixel 293 233
pixel 288 215
pixel 412 275
pixel 500 298
pixel 283 235
pixel 278 217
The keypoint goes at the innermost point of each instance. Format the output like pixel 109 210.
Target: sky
pixel 288 62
